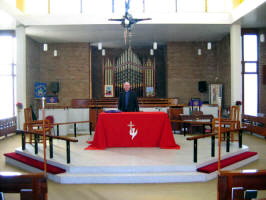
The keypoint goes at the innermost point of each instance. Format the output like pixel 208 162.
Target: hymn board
pixel 140 73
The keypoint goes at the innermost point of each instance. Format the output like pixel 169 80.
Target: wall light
pixel 103 52
pixel 209 45
pixel 199 52
pixel 100 46
pixel 151 52
pixel 55 53
pixel 262 37
pixel 154 45
pixel 45 47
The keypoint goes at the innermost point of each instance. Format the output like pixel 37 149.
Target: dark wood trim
pixel 35 184
pixel 243 180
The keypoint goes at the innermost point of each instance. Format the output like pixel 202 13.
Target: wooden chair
pixel 228 124
pixel 35 125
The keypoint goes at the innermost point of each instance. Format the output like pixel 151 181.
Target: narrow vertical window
pixel 250 73
pixel 7 76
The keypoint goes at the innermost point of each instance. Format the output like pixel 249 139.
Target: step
pixel 34 163
pixel 226 162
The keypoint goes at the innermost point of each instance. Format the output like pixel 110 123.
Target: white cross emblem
pixel 132 131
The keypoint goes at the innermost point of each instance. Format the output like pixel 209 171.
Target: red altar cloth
pixel 133 129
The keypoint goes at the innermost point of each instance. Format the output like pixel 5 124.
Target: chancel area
pixel 132 99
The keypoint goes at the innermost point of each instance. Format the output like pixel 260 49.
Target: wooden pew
pixel 30 186
pixel 8 126
pixel 51 137
pixel 239 181
pixel 255 124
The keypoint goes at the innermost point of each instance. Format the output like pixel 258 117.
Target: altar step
pixel 140 174
pixel 227 162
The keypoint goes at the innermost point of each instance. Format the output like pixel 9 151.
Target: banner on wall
pixel 40 89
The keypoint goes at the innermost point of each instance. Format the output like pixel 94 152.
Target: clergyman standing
pixel 128 101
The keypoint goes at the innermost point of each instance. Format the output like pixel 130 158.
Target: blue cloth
pixel 112 111
pixel 126 99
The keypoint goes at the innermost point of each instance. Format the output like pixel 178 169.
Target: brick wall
pixel 224 69
pixel 262 87
pixel 185 68
pixel 33 70
pixel 70 68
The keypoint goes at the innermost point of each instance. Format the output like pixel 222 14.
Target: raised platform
pixel 132 165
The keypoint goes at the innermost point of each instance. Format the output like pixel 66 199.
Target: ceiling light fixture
pixel 45 47
pixel 154 45
pixel 100 46
pixel 55 53
pixel 209 45
pixel 151 52
pixel 199 52
pixel 262 37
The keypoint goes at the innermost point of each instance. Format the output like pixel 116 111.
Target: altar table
pixel 133 129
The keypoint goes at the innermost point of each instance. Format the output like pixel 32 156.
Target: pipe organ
pixel 128 67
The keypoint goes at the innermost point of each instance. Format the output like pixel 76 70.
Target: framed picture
pixel 149 91
pixel 108 91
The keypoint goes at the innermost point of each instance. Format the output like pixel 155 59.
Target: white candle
pixel 43 99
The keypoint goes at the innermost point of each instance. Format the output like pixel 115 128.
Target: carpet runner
pixel 226 162
pixel 34 163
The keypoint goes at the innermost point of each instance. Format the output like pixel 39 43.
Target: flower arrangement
pixel 19 105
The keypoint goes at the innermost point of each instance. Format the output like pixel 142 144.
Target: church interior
pixel 197 68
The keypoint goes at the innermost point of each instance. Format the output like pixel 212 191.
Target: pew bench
pixel 50 137
pixel 255 124
pixel 8 126
pixel 30 186
pixel 233 184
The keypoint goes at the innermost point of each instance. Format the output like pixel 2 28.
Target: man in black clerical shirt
pixel 128 101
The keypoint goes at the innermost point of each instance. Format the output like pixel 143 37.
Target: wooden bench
pixel 7 126
pixel 51 137
pixel 255 124
pixel 30 186
pixel 239 181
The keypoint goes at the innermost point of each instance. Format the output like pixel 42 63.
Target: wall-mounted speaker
pixel 54 87
pixel 202 86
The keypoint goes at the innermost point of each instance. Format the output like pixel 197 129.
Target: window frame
pixel 243 63
pixel 12 64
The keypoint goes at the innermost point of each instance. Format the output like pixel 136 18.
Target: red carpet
pixel 34 163
pixel 226 162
